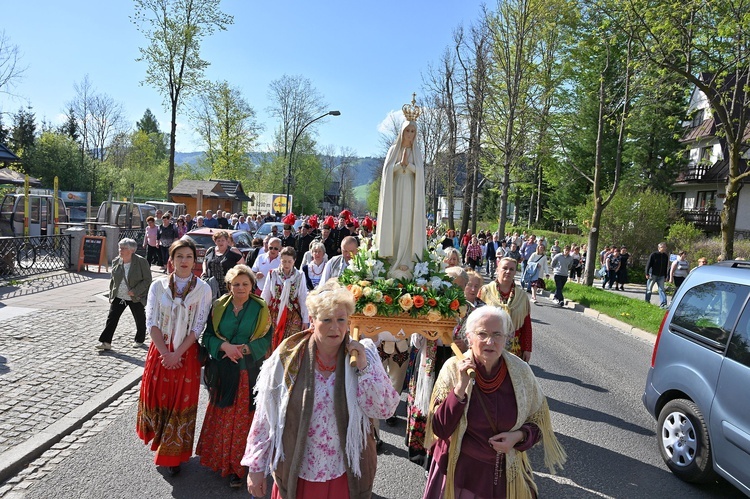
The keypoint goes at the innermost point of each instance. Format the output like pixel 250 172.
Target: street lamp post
pixel 291 153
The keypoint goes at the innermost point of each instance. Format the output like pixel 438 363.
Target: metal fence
pixel 27 256
pixel 138 235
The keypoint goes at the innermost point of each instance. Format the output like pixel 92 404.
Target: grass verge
pixel 635 312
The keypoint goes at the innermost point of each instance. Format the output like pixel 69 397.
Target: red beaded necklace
pixel 491 385
pixel 324 368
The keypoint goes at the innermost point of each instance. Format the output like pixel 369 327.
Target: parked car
pixel 698 384
pixel 203 239
pixel 266 228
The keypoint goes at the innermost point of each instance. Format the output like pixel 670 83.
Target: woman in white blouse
pixel 312 422
pixel 176 312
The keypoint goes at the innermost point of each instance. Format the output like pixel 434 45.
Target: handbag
pixel 203 356
pixel 540 284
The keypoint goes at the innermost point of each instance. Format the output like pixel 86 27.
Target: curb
pixel 14 460
pixel 595 314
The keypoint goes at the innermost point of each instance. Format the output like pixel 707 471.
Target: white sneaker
pixel 137 344
pixel 104 346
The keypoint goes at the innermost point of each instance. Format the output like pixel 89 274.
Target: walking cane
pixel 353 354
pixel 460 356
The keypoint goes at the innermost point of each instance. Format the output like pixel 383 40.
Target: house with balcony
pixel 699 189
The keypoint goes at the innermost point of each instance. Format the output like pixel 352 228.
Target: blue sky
pixel 366 58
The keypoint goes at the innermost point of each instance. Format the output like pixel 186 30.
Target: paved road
pixel 592 374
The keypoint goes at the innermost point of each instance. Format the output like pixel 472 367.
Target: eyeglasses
pixel 274 248
pixel 495 337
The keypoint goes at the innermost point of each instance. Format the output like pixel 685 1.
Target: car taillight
pixel 658 337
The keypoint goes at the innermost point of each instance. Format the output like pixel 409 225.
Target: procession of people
pixel 293 395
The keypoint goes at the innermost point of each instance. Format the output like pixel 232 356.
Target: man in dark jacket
pixel 491 255
pixel 302 243
pixel 656 273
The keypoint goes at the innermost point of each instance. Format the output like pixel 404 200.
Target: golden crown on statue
pixel 412 111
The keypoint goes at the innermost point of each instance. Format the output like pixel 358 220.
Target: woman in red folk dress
pixel 176 312
pixel 237 339
pixel 285 291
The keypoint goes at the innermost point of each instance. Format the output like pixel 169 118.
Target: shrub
pixel 683 235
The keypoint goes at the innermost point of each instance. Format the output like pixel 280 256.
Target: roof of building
pixel 7 155
pixel 210 188
pixel 214 188
pixel 233 188
pixel 707 128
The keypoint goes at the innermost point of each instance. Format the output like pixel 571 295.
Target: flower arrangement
pixel 430 293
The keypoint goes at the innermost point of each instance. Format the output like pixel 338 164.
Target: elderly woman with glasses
pixel 479 433
pixel 128 288
pixel 312 425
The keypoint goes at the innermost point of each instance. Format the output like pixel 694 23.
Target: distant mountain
pixel 365 169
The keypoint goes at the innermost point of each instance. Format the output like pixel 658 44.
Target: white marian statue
pixel 401 235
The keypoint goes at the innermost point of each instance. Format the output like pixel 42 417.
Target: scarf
pixel 532 408
pixel 177 312
pixel 222 375
pixel 292 283
pixel 518 307
pixel 292 364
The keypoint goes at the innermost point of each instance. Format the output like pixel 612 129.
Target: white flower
pixel 443 266
pixel 353 266
pixel 436 283
pixel 367 291
pixel 378 269
pixel 420 269
pixel 420 281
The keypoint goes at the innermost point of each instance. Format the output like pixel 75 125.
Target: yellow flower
pixel 405 301
pixel 434 315
pixel 364 284
pixel 462 311
pixel 356 291
pixel 370 310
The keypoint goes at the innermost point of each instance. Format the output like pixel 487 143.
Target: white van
pixel 41 215
pixel 177 209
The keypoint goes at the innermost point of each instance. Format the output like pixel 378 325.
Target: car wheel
pixel 684 443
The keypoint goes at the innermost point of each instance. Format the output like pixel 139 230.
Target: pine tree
pixel 148 123
pixel 70 127
pixel 23 134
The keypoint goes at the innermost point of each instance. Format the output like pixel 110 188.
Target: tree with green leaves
pixel 70 127
pixel 603 71
pixel 58 155
pixel 226 123
pixel 174 30
pixel 707 44
pixel 148 124
pixel 635 218
pixel 23 133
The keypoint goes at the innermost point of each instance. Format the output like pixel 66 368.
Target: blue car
pixel 698 386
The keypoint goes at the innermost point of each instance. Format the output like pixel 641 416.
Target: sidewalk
pixel 51 377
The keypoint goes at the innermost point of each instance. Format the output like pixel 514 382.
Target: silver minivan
pixel 698 386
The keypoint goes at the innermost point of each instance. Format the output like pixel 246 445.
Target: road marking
pixel 567 481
